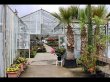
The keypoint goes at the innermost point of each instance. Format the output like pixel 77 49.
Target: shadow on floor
pixel 78 72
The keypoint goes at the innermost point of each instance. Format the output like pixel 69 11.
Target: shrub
pixel 60 51
pixel 21 60
pixel 13 68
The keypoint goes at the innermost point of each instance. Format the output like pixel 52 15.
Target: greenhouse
pixel 40 22
pixel 73 38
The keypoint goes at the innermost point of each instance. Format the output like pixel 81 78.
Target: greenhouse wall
pixel 9 35
pixel 23 36
pixel 2 64
pixel 40 22
pixel 1 56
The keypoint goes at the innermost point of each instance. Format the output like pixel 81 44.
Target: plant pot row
pixel 18 72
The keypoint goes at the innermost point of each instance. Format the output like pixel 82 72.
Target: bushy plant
pixel 60 51
pixel 41 49
pixel 21 60
pixel 88 61
pixel 32 54
pixel 13 68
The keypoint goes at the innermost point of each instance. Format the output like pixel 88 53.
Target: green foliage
pixel 98 21
pixel 82 16
pixel 66 15
pixel 88 60
pixel 74 11
pixel 21 60
pixel 13 68
pixel 60 51
pixel 99 11
pixel 32 54
pixel 52 43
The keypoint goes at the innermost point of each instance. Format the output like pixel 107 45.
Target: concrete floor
pixel 46 71
pixel 43 65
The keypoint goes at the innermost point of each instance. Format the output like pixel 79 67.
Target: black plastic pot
pixel 70 63
pixel 59 58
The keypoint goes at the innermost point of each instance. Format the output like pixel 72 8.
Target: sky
pixel 27 9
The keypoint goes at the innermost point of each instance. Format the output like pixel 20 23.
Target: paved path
pixel 44 58
pixel 43 65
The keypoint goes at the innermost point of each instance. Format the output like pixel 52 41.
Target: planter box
pixel 13 74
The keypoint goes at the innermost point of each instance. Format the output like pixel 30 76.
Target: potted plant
pixel 13 71
pixel 88 63
pixel 60 52
pixel 22 61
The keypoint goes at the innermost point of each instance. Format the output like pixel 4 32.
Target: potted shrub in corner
pixel 60 52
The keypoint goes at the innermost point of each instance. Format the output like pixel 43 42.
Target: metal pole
pixel 29 45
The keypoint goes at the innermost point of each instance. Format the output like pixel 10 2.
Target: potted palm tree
pixel 66 17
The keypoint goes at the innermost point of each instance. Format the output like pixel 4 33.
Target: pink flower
pixel 52 50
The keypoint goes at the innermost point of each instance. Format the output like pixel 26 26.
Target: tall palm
pixel 98 15
pixel 66 16
pixel 83 20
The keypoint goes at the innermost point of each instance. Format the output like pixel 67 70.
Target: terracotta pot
pixel 22 67
pixel 91 70
pixel 19 72
pixel 13 74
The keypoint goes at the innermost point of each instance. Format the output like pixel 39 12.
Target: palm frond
pixel 74 11
pixel 82 18
pixel 99 11
pixel 58 17
pixel 82 15
pixel 98 21
pixel 65 15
